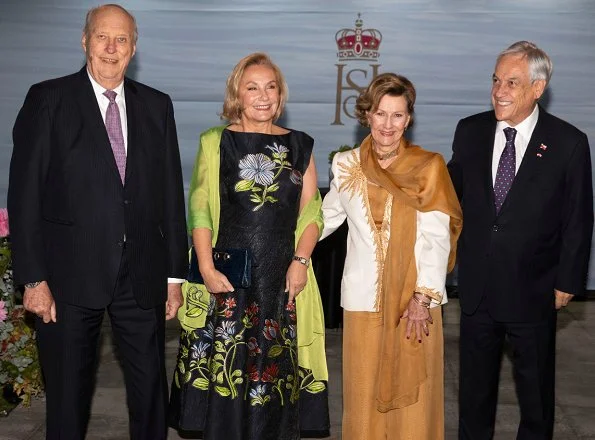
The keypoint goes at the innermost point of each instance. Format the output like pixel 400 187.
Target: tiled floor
pixel 575 398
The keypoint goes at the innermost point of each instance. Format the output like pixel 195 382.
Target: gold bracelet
pixel 420 302
pixel 425 295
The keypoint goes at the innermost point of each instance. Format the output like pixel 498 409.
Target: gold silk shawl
pixel 203 212
pixel 418 181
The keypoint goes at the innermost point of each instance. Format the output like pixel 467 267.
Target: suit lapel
pixel 486 137
pixel 94 121
pixel 529 164
pixel 133 112
pixel 531 158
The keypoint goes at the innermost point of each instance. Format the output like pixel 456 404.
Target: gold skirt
pixel 424 420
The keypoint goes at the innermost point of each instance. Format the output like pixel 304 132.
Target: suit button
pixel 120 243
pixel 127 202
pixel 495 228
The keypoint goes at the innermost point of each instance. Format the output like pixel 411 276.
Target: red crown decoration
pixel 358 43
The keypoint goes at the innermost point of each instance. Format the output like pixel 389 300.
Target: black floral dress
pixel 238 378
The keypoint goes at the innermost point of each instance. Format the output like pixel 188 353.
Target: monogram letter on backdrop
pixel 360 46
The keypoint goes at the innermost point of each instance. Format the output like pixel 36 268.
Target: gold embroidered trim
pixel 354 181
pixel 436 296
pixel 381 237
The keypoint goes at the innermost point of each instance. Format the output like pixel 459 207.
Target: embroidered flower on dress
pixel 253 373
pixel 226 330
pixel 278 149
pixel 296 177
pixel 258 391
pixel 209 331
pixel 271 329
pixel 200 350
pixel 257 167
pixel 292 331
pixel 270 373
pixel 253 347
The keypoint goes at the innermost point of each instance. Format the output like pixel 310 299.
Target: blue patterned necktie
pixel 113 124
pixel 506 169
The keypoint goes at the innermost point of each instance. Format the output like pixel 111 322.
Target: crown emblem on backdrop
pixel 358 43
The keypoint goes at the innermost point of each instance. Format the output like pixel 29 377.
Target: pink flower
pixel 4 231
pixel 3 312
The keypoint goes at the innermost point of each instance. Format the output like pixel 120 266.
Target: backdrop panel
pixel 187 49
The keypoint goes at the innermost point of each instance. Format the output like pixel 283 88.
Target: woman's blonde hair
pixel 232 108
pixel 385 84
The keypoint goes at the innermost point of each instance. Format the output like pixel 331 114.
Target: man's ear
pixel 538 88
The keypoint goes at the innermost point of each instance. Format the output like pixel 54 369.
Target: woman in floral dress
pixel 240 372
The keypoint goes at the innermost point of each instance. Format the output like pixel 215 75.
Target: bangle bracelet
pixel 425 295
pixel 420 302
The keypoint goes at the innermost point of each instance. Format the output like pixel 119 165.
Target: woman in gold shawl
pixel 404 219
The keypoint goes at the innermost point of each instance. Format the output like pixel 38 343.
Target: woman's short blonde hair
pixel 385 84
pixel 232 108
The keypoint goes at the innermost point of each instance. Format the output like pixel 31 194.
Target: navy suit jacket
pixel 68 208
pixel 541 238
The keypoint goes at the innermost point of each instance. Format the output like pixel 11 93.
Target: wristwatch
pixel 302 260
pixel 32 285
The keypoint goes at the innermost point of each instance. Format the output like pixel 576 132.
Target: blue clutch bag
pixel 235 264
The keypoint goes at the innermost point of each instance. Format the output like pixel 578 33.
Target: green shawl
pixel 203 212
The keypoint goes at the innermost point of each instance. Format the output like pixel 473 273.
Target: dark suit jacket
pixel 68 208
pixel 541 238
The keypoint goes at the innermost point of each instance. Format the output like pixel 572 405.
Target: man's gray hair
pixel 540 64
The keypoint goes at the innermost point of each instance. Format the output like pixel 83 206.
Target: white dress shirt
pixel 104 102
pixel 521 141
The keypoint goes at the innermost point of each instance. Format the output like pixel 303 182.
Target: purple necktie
pixel 506 169
pixel 114 131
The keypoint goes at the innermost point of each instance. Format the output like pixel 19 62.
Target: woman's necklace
pixel 388 155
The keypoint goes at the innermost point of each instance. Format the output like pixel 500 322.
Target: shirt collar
pixel 525 128
pixel 99 89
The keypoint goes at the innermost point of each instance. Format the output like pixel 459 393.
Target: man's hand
pixel 562 298
pixel 39 300
pixel 174 300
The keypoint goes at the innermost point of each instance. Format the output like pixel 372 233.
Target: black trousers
pixel 533 359
pixel 68 351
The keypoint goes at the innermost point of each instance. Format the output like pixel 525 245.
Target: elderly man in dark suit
pixel 523 178
pixel 97 220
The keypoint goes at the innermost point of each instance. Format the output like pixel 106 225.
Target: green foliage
pixel 19 362
pixel 339 150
